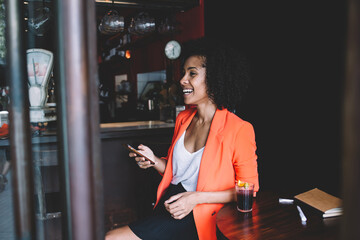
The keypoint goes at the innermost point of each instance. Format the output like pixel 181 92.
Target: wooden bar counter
pixel 271 220
pixel 129 192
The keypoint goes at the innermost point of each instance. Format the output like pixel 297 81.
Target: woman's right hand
pixel 141 162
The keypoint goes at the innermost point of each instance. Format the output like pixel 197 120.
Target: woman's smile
pixel 187 91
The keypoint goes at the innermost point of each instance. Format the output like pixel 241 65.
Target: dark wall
pixel 295 99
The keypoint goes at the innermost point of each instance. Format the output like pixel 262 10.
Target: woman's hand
pixel 141 162
pixel 180 205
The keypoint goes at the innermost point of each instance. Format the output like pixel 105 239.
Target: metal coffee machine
pixel 39 67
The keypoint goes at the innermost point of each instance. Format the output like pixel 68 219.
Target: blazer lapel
pixel 213 143
pixel 184 124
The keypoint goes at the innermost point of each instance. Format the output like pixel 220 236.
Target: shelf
pixel 180 5
pixel 136 43
pixel 145 40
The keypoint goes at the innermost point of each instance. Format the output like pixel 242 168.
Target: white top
pixel 186 165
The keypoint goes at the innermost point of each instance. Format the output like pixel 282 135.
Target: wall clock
pixel 172 49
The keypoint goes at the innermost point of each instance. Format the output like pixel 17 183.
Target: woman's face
pixel 193 82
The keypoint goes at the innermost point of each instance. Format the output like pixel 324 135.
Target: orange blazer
pixel 229 155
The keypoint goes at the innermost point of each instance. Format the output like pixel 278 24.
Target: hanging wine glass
pixel 144 23
pixel 112 22
pixel 167 25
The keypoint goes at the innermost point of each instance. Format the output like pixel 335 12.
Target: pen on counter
pixel 302 215
pixel 286 201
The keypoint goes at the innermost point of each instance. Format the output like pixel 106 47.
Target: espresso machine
pixel 40 67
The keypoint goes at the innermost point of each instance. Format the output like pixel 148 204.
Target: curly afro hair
pixel 227 70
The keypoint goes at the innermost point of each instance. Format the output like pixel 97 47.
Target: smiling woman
pixel 203 163
pixel 193 82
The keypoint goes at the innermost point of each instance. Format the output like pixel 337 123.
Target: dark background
pixel 294 102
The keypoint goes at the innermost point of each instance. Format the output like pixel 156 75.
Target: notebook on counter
pixel 329 205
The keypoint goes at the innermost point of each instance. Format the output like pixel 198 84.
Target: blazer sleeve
pixel 245 158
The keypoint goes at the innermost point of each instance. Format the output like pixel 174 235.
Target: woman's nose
pixel 183 81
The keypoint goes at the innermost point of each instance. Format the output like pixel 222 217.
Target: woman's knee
pixel 111 235
pixel 122 233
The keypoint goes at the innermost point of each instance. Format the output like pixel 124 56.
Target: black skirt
pixel 160 225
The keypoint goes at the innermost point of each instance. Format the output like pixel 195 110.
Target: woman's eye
pixel 192 74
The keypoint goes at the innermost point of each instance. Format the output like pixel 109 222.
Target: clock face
pixel 172 49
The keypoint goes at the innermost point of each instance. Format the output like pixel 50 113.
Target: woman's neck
pixel 205 113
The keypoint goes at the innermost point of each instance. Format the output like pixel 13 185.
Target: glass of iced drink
pixel 244 196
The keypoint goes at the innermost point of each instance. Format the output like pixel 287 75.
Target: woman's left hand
pixel 180 205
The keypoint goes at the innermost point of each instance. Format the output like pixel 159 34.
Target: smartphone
pixel 130 148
